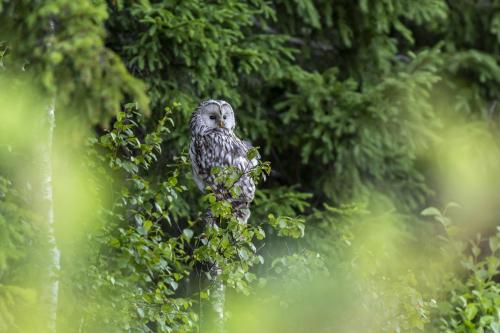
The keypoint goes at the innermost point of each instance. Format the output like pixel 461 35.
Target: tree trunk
pixel 51 289
pixel 217 299
pixel 213 320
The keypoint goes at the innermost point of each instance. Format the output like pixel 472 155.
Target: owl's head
pixel 212 114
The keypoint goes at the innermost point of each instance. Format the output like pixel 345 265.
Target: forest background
pixel 380 122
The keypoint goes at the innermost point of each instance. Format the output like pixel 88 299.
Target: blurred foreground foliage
pixel 370 112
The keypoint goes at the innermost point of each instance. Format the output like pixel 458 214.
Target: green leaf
pixel 188 234
pixel 147 225
pixel 471 311
pixel 140 312
pixel 431 211
pixel 494 243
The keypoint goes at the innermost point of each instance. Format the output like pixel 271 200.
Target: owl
pixel 214 144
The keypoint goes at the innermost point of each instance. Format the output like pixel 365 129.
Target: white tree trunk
pixel 217 294
pixel 51 292
pixel 218 297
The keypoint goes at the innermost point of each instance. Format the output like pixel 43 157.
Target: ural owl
pixel 213 144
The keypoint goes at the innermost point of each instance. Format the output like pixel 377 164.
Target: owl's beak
pixel 221 124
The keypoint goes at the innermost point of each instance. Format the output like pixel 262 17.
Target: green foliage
pixel 195 48
pixel 345 91
pixel 374 144
pixel 141 260
pixel 134 264
pixel 298 268
pixel 62 43
pixel 18 233
pixel 367 110
pixel 287 226
pixel 469 300
pixel 364 247
pixel 474 301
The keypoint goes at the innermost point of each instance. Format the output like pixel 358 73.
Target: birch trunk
pixel 51 289
pixel 217 299
pixel 214 321
pixel 51 292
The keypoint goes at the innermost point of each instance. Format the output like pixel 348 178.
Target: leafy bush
pixel 145 269
pixel 368 111
pixel 18 292
pixel 469 300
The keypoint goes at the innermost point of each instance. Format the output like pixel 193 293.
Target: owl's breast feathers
pixel 220 148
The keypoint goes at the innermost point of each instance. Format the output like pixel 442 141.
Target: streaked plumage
pixel 213 144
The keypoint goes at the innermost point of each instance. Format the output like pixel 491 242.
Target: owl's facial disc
pixel 210 115
pixel 227 116
pixel 218 115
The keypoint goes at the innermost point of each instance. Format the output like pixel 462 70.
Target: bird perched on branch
pixel 214 145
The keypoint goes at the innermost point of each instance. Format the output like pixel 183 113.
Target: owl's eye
pixel 212 117
pixel 225 117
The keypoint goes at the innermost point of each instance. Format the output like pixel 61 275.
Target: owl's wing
pixel 245 183
pixel 195 166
